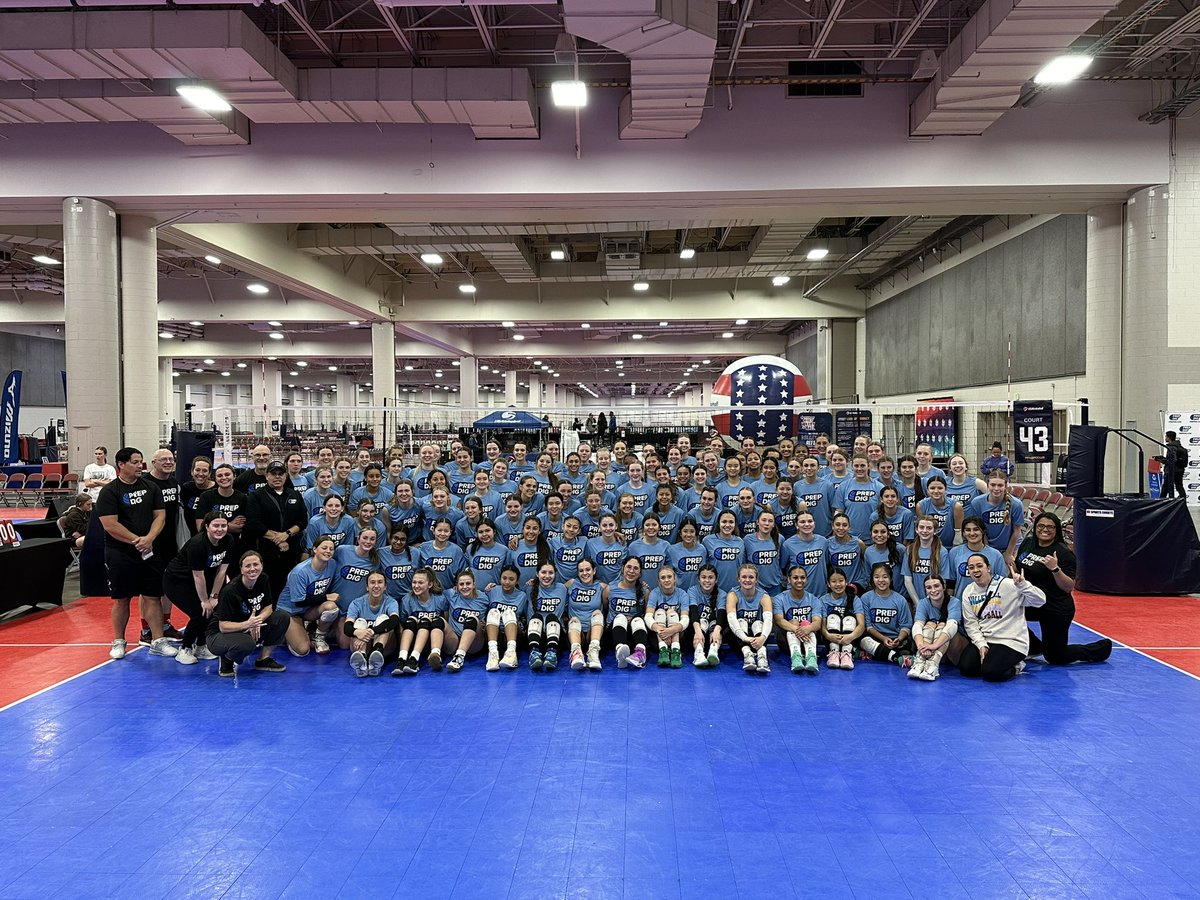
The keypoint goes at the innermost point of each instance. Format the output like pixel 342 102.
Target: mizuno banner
pixel 10 415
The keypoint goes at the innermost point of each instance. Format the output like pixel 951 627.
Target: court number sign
pixel 8 533
pixel 1033 430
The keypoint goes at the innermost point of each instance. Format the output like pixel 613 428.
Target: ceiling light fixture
pixel 727 335
pixel 209 362
pixel 256 288
pixel 568 94
pixel 687 253
pixel 740 321
pixel 432 259
pixel 1062 69
pixel 241 365
pixel 333 368
pixel 817 253
pixel 585 325
pixel 215 260
pixel 466 288
pixel 636 336
pixel 558 255
pixel 780 281
pixel 203 98
pixel 302 364
pixel 196 323
pixel 507 324
pixel 165 335
pixel 353 322
pixel 275 324
pixel 197 369
pixel 518 337
pixel 641 286
pixel 275 336
pixel 47 260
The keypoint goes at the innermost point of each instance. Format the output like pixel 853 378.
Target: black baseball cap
pixel 276 466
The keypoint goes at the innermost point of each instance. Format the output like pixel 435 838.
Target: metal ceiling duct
pixel 670 45
pixel 982 72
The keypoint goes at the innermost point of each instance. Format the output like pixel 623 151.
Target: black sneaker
pixel 171 633
pixel 1099 651
pixel 145 638
pixel 228 667
pixel 269 665
pixel 411 666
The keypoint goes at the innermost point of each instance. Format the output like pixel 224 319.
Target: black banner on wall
pixel 1033 430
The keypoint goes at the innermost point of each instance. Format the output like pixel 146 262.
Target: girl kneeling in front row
pixel 468 608
pixel 626 609
pixel 889 621
pixel 799 618
pixel 748 615
pixel 706 614
pixel 371 623
pixel 423 613
pixel 938 617
pixel 842 621
pixel 586 600
pixel 547 606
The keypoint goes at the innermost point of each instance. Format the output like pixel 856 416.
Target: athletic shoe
pixel 810 663
pixel 550 660
pixel 748 663
pixel 848 658
pixel 171 633
pixel 1019 668
pixel 797 662
pixel 664 656
pixel 1099 651
pixel 455 664
pixel 764 664
pixel 917 670
pixel 374 663
pixel 699 660
pixel 411 666
pixel 435 660
pixel 637 658
pixel 535 660
pixel 145 638
pixel 493 661
pixel 930 672
pixel 833 657
pixel 577 659
pixel 676 658
pixel 906 661
pixel 186 656
pixel 509 661
pixel 593 658
pixel 358 662
pixel 269 664
pixel 117 651
pixel 622 656
pixel 228 667
pixel 203 653
pixel 329 616
pixel 714 656
pixel 162 647
pixel 320 643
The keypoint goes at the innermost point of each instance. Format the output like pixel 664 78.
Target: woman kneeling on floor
pixel 993 611
pixel 245 620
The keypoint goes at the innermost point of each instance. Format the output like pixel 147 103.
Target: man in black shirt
pixel 166 545
pixel 275 521
pixel 131 511
pixel 1174 468
pixel 249 480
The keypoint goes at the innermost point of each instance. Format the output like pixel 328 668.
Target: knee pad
pixel 411 625
pixel 438 624
pixel 660 617
pixel 672 617
pixel 573 624
pixel 328 616
pixel 493 617
pixel 756 628
pixel 535 626
pixel 869 644
pixel 597 621
pixel 553 629
pixel 508 617
pixel 637 624
pixel 360 622
pixel 621 621
pixel 379 620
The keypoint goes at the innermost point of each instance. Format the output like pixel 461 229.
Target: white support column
pixel 535 392
pixel 1104 338
pixel 468 383
pixel 383 380
pixel 139 332
pixel 510 388
pixel 93 339
pixel 166 392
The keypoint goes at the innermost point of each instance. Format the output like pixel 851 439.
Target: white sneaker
pixel 375 663
pixel 203 653
pixel 162 647
pixel 1019 668
pixel 186 656
pixel 748 663
pixel 764 664
pixel 623 656
pixel 509 661
pixel 118 649
pixel 917 670
pixel 931 670
pixel 320 643
pixel 493 661
pixel 714 655
pixel 593 658
pixel 358 662
pixel 699 660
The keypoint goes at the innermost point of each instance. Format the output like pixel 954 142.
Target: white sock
pixel 793 643
pixel 493 646
pixel 575 646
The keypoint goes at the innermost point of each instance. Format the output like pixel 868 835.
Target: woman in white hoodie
pixel 993 612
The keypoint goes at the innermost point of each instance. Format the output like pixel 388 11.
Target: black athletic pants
pixel 1052 645
pixel 183 595
pixel 999 664
pixel 237 645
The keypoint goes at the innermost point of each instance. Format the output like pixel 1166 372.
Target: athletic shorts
pixel 131 576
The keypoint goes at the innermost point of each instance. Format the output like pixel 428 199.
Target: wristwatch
pixel 1056 571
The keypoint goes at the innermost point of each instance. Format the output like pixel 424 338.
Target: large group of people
pixel 643 553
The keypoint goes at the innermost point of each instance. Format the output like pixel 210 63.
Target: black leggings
pixel 620 634
pixel 184 597
pixel 540 640
pixel 999 664
pixel 1052 645
pixel 237 645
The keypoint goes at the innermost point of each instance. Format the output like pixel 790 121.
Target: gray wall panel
pixel 41 361
pixel 952 330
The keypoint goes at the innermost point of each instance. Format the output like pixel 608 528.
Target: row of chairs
pixel 1040 499
pixel 35 490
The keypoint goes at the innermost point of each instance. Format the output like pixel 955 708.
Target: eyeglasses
pixel 1046 527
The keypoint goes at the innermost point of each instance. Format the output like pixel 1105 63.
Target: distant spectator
pixel 1173 476
pixel 997 461
pixel 99 473
pixel 74 524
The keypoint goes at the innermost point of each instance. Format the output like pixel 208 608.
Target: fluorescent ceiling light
pixel 778 281
pixel 740 321
pixel 293 374
pixel 636 336
pixel 302 364
pixel 275 336
pixel 467 288
pixel 1063 69
pixel 197 369
pixel 558 254
pixel 455 363
pixel 408 368
pixel 215 260
pixel 727 335
pixel 47 260
pixel 507 324
pixel 518 337
pixel 165 335
pixel 818 253
pixel 272 358
pixel 226 374
pixel 432 259
pixel 705 362
pixel 196 323
pixel 203 97
pixel 333 368
pixel 275 324
pixel 257 288
pixel 687 253
pixel 641 286
pixel 353 322
pixel 662 324
pixel 174 374
pixel 209 362
pixel 585 325
pixel 569 94
pixel 241 365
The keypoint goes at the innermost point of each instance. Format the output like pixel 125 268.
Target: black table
pixel 40 528
pixel 33 574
